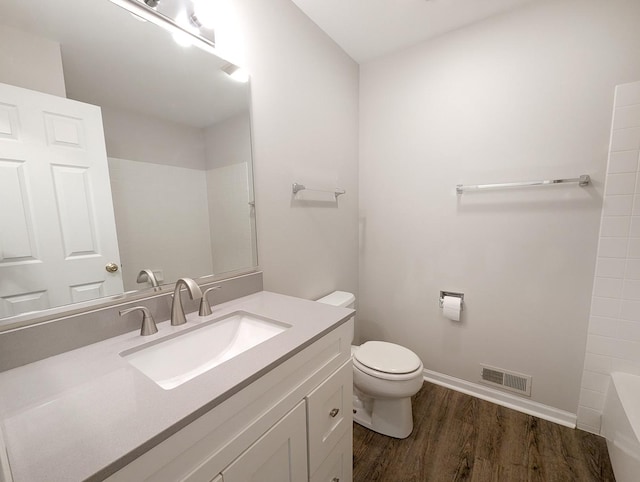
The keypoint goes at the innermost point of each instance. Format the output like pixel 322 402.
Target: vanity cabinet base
pixel 316 380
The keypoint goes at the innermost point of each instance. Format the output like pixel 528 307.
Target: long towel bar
pixel 583 180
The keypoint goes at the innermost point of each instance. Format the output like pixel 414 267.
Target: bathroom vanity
pixel 280 410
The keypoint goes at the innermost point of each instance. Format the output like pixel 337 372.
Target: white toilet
pixel 385 377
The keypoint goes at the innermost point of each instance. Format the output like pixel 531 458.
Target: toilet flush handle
pixel 334 412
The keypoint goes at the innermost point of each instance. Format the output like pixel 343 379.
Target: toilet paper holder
pixel 454 294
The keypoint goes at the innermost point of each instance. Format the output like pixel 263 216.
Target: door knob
pixel 111 267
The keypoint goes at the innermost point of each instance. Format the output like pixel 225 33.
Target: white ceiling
pixel 367 29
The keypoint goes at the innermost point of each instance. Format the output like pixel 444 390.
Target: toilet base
pixel 393 418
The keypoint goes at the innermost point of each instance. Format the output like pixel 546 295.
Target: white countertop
pixel 87 411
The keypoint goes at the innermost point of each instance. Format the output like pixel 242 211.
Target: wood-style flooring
pixel 458 437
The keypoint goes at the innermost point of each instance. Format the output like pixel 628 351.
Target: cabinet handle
pixel 335 479
pixel 333 413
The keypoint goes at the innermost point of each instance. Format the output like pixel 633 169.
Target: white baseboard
pixel 514 402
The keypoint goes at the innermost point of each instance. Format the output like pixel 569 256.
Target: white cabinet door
pixel 280 455
pixel 57 228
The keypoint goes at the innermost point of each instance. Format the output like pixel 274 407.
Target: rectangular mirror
pixel 124 157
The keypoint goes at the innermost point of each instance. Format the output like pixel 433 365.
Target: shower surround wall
pixel 197 179
pixel 522 96
pixel 229 183
pixel 613 342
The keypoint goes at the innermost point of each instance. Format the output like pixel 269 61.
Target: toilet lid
pixel 387 357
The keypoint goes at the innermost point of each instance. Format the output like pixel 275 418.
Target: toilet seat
pixel 387 376
pixel 387 360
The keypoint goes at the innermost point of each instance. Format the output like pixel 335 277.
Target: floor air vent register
pixel 507 380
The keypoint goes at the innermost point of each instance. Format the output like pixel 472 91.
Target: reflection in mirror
pixel 125 159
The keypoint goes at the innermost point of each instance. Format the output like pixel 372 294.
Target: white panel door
pixel 280 455
pixel 57 228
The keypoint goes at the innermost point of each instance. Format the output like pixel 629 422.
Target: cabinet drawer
pixel 329 414
pixel 338 466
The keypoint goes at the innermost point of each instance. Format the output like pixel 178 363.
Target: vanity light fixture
pixel 195 21
pixel 173 18
pixel 236 73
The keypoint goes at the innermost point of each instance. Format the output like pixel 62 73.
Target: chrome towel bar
pixel 582 181
pixel 296 188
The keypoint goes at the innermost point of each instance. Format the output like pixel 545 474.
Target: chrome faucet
pixel 177 311
pixel 147 275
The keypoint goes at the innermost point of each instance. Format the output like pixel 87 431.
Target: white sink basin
pixel 173 361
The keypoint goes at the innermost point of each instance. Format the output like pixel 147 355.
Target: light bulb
pixel 205 12
pixel 240 75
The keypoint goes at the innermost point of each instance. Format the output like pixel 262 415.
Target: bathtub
pixel 621 426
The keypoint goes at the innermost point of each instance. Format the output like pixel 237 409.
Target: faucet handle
pixel 148 323
pixel 205 308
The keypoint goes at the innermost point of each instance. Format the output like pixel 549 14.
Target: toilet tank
pixel 342 299
pixel 339 298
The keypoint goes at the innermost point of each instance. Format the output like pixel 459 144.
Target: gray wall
pixel 144 138
pixel 526 95
pixel 35 65
pixel 305 127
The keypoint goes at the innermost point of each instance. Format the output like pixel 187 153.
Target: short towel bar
pixel 297 187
